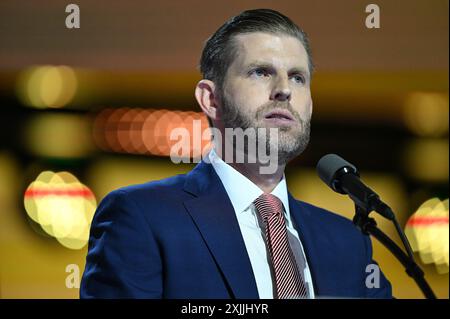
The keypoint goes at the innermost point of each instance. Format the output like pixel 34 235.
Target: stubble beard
pixel 290 141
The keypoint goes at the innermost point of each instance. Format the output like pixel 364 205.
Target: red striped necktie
pixel 288 281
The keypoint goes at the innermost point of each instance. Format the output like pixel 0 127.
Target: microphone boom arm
pixel 369 227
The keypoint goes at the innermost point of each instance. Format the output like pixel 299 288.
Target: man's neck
pixel 266 182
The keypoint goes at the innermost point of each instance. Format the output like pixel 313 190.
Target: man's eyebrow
pixel 259 65
pixel 299 70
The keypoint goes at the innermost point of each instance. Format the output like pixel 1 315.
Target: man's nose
pixel 281 91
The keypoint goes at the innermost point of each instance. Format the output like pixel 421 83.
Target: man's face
pixel 268 86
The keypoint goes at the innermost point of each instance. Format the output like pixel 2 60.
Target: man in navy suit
pixel 229 228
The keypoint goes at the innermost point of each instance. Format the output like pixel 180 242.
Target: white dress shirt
pixel 242 192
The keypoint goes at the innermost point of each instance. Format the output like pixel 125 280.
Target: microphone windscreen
pixel 328 165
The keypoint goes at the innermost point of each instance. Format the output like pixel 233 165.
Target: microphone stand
pixel 368 226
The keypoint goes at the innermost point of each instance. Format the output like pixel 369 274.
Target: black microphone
pixel 343 178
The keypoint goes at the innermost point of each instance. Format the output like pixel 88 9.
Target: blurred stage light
pixel 147 131
pixel 47 86
pixel 59 135
pixel 62 206
pixel 427 160
pixel 428 232
pixel 9 183
pixel 427 114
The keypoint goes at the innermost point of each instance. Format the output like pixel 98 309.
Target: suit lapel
pixel 310 243
pixel 214 216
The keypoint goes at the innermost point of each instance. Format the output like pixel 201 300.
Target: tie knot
pixel 268 205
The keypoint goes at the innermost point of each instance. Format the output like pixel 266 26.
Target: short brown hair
pixel 219 52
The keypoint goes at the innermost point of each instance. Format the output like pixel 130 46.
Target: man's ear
pixel 206 98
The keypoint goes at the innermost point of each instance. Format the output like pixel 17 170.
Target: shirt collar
pixel 234 183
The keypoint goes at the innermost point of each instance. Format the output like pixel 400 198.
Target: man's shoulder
pixel 170 184
pixel 174 187
pixel 167 189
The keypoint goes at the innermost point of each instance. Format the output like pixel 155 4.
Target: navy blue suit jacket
pixel 179 238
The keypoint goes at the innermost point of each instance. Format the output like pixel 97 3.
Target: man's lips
pixel 279 115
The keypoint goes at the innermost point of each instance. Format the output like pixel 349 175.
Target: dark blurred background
pixel 85 111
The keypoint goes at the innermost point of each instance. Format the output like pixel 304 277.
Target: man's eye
pixel 299 79
pixel 260 72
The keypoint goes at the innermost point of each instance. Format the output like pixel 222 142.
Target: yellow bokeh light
pixel 47 86
pixel 62 206
pixel 427 159
pixel 428 233
pixel 58 135
pixel 426 113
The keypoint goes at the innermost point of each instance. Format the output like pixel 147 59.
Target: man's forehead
pixel 269 48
